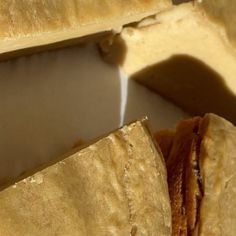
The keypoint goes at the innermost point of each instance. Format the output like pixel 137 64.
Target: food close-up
pixel 118 117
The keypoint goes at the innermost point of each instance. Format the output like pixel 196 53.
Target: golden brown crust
pixel 26 24
pixel 201 177
pixel 222 12
pixel 116 186
pixel 217 164
pixel 32 17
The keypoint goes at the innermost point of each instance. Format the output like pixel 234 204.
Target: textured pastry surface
pixel 31 23
pixel 223 12
pixel 217 167
pixel 116 186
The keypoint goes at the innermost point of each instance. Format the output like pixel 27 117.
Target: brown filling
pixel 183 176
pixel 165 140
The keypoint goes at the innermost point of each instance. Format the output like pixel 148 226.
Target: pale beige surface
pixel 33 23
pixel 217 166
pixel 116 186
pixel 223 12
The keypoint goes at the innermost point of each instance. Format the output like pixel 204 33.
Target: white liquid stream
pixel 123 95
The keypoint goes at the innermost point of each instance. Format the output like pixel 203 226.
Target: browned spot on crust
pixel 78 143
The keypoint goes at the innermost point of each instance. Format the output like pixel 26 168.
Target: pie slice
pixel 202 185
pixel 116 186
pixel 27 24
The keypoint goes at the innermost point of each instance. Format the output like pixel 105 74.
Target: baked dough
pixel 217 167
pixel 116 186
pixel 201 176
pixel 223 12
pixel 26 24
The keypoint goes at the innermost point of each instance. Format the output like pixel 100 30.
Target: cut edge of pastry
pixel 44 34
pixel 77 147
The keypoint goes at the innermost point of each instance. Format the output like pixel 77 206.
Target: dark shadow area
pixel 176 2
pixel 113 49
pixel 50 101
pixel 191 84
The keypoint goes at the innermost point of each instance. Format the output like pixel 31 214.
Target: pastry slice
pixel 116 186
pixel 223 12
pixel 201 176
pixel 27 24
